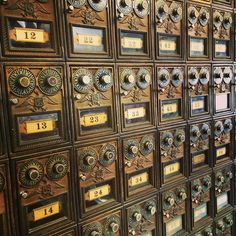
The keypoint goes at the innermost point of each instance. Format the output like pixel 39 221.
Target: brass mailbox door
pixel 223 140
pixel 223 190
pixel 199 91
pixel 37 107
pixel 201 201
pixel 174 210
pixel 172 156
pixel 109 224
pixel 200 154
pixel 198 32
pixel 133 29
pixel 98 177
pixel 224 225
pixel 139 162
pixel 222 81
pixel 222 35
pixel 171 93
pixel 169 30
pixel 43 186
pixel 94 100
pixel 30 29
pixel 88 29
pixel 136 96
pixel 142 217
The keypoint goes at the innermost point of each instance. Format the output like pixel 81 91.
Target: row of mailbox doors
pixel 32 29
pixel 45 192
pixel 43 102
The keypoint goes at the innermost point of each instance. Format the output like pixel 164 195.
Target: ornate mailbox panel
pixel 30 28
pixel 133 26
pixel 201 208
pixel 104 225
pixel 172 154
pixel 169 29
pixel 224 225
pixel 88 28
pixel 98 176
pixel 139 161
pixel 222 35
pixel 174 211
pixel 171 96
pixel 94 101
pixel 4 198
pixel 36 105
pixel 136 97
pixel 222 80
pixel 199 91
pixel 207 231
pixel 199 32
pixel 228 3
pixel 223 189
pixel 43 190
pixel 200 153
pixel 223 141
pixel 141 218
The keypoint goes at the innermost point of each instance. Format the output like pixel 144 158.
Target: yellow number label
pixel 198 159
pixel 138 179
pixel 221 152
pixel 172 168
pixel 46 211
pixel 220 47
pixel 167 45
pixel 134 43
pixel 135 113
pixel 197 105
pixel 29 35
pixel 37 126
pixel 169 108
pixel 88 40
pixel 99 192
pixel 94 119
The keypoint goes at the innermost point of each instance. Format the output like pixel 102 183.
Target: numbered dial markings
pixel 83 80
pixel 219 128
pixel 167 140
pixel 94 229
pixel 217 19
pixel 162 10
pixel 2 182
pixel 131 149
pixel 112 226
pixel 103 80
pixel 107 154
pixel 88 160
pixel 227 21
pixel 205 131
pixel 179 138
pixel 218 75
pixel 163 78
pixel 125 6
pixel 169 201
pixel 177 77
pixel 143 78
pixel 228 126
pixel 31 173
pixel 176 12
pixel 204 16
pixel 135 216
pixel 127 79
pixel 193 15
pixel 22 82
pixel 50 81
pixel 227 75
pixel 204 76
pixel 98 5
pixel 181 195
pixel 146 145
pixel 206 183
pixel 57 167
pixel 77 3
pixel 195 134
pixel 149 210
pixel 141 8
pixel 193 76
